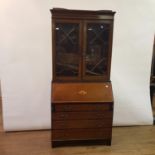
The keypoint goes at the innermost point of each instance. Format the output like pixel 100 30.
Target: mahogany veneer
pixel 82 99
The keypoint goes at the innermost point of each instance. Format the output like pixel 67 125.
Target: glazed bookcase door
pixel 97 50
pixel 67 55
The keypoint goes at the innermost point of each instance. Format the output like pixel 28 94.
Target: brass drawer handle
pixel 82 92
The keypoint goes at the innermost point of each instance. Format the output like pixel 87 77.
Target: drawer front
pixel 81 134
pixel 77 124
pixel 81 115
pixel 83 107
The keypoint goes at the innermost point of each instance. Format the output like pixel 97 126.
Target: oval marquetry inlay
pixel 82 92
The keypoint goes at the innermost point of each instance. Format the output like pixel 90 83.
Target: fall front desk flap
pixel 79 92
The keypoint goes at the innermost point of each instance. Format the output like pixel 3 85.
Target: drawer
pixel 81 134
pixel 77 124
pixel 81 115
pixel 83 107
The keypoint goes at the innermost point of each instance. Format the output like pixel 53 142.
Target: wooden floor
pixel 126 141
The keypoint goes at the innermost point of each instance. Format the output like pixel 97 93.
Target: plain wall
pixel 25 54
pixel 25 63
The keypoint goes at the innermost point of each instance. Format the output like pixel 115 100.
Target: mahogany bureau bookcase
pixel 82 99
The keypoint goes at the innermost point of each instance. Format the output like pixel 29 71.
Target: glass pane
pixel 67 49
pixel 97 49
